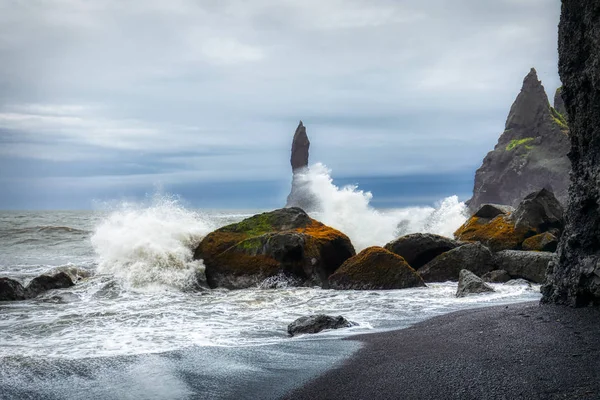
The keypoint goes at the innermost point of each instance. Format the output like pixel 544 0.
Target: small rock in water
pixel 469 283
pixel 43 283
pixel 317 323
pixel 10 289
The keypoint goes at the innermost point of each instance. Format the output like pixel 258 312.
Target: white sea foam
pixel 151 245
pixel 348 209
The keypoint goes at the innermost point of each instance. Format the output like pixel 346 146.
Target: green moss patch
pixel 559 119
pixel 518 142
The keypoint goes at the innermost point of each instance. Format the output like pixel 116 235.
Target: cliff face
pixel 301 194
pixel 531 153
pixel 575 278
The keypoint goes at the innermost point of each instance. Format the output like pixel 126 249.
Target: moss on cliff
pixel 559 119
pixel 518 142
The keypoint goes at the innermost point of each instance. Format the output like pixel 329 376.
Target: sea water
pixel 137 306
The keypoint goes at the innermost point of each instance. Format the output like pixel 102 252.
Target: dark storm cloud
pixel 193 91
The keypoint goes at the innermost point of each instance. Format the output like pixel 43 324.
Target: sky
pixel 115 99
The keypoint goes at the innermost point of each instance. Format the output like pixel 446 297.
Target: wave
pixel 151 246
pixel 47 229
pixel 348 209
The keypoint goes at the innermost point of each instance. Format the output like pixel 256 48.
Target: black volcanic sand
pixel 520 351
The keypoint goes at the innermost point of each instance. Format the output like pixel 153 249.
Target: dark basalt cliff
pixel 301 194
pixel 531 153
pixel 575 278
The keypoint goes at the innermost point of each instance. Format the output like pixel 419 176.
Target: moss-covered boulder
pixel 446 267
pixel 542 242
pixel 375 268
pixel 281 242
pixel 420 248
pixel 498 233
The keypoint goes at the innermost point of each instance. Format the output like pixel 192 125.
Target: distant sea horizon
pixel 387 192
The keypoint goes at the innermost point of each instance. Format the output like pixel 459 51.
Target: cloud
pixel 213 90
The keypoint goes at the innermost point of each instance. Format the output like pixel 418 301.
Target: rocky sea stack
pixel 531 153
pixel 300 195
pixel 575 278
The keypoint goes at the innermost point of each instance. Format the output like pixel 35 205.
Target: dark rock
pixel 530 265
pixel 317 323
pixel 496 276
pixel 530 154
pixel 301 194
pixel 575 278
pixel 559 104
pixel 542 242
pixel 519 282
pixel 420 248
pixel 375 268
pixel 11 290
pixel 43 283
pixel 469 283
pixel 300 147
pixel 493 210
pixel 281 242
pixel 539 212
pixel 447 266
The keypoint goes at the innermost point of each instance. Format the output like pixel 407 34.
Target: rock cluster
pixel 11 289
pixel 575 278
pixel 531 153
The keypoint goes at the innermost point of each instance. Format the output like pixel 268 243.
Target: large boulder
pixel 530 154
pixel 11 289
pixel 420 248
pixel 43 283
pixel 539 212
pixel 498 233
pixel 469 283
pixel 375 268
pixel 542 242
pixel 530 265
pixel 447 266
pixel 281 242
pixel 317 323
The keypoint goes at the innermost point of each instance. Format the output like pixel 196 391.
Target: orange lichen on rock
pixel 498 233
pixel 375 268
pixel 542 242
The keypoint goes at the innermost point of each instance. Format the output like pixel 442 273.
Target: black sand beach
pixel 521 351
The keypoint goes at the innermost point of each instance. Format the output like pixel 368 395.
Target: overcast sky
pixel 108 98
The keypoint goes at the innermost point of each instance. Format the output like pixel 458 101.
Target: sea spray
pixel 151 246
pixel 348 209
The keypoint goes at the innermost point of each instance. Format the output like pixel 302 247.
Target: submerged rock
pixel 530 265
pixel 447 266
pixel 469 283
pixel 11 290
pixel 531 153
pixel 285 241
pixel 496 276
pixel 375 268
pixel 317 323
pixel 43 283
pixel 420 248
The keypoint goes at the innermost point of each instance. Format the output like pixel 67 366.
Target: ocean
pixel 134 327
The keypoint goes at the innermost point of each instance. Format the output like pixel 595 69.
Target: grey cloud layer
pixel 200 90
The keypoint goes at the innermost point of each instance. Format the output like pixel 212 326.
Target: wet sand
pixel 520 351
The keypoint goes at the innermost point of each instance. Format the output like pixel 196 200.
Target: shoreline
pixel 517 351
